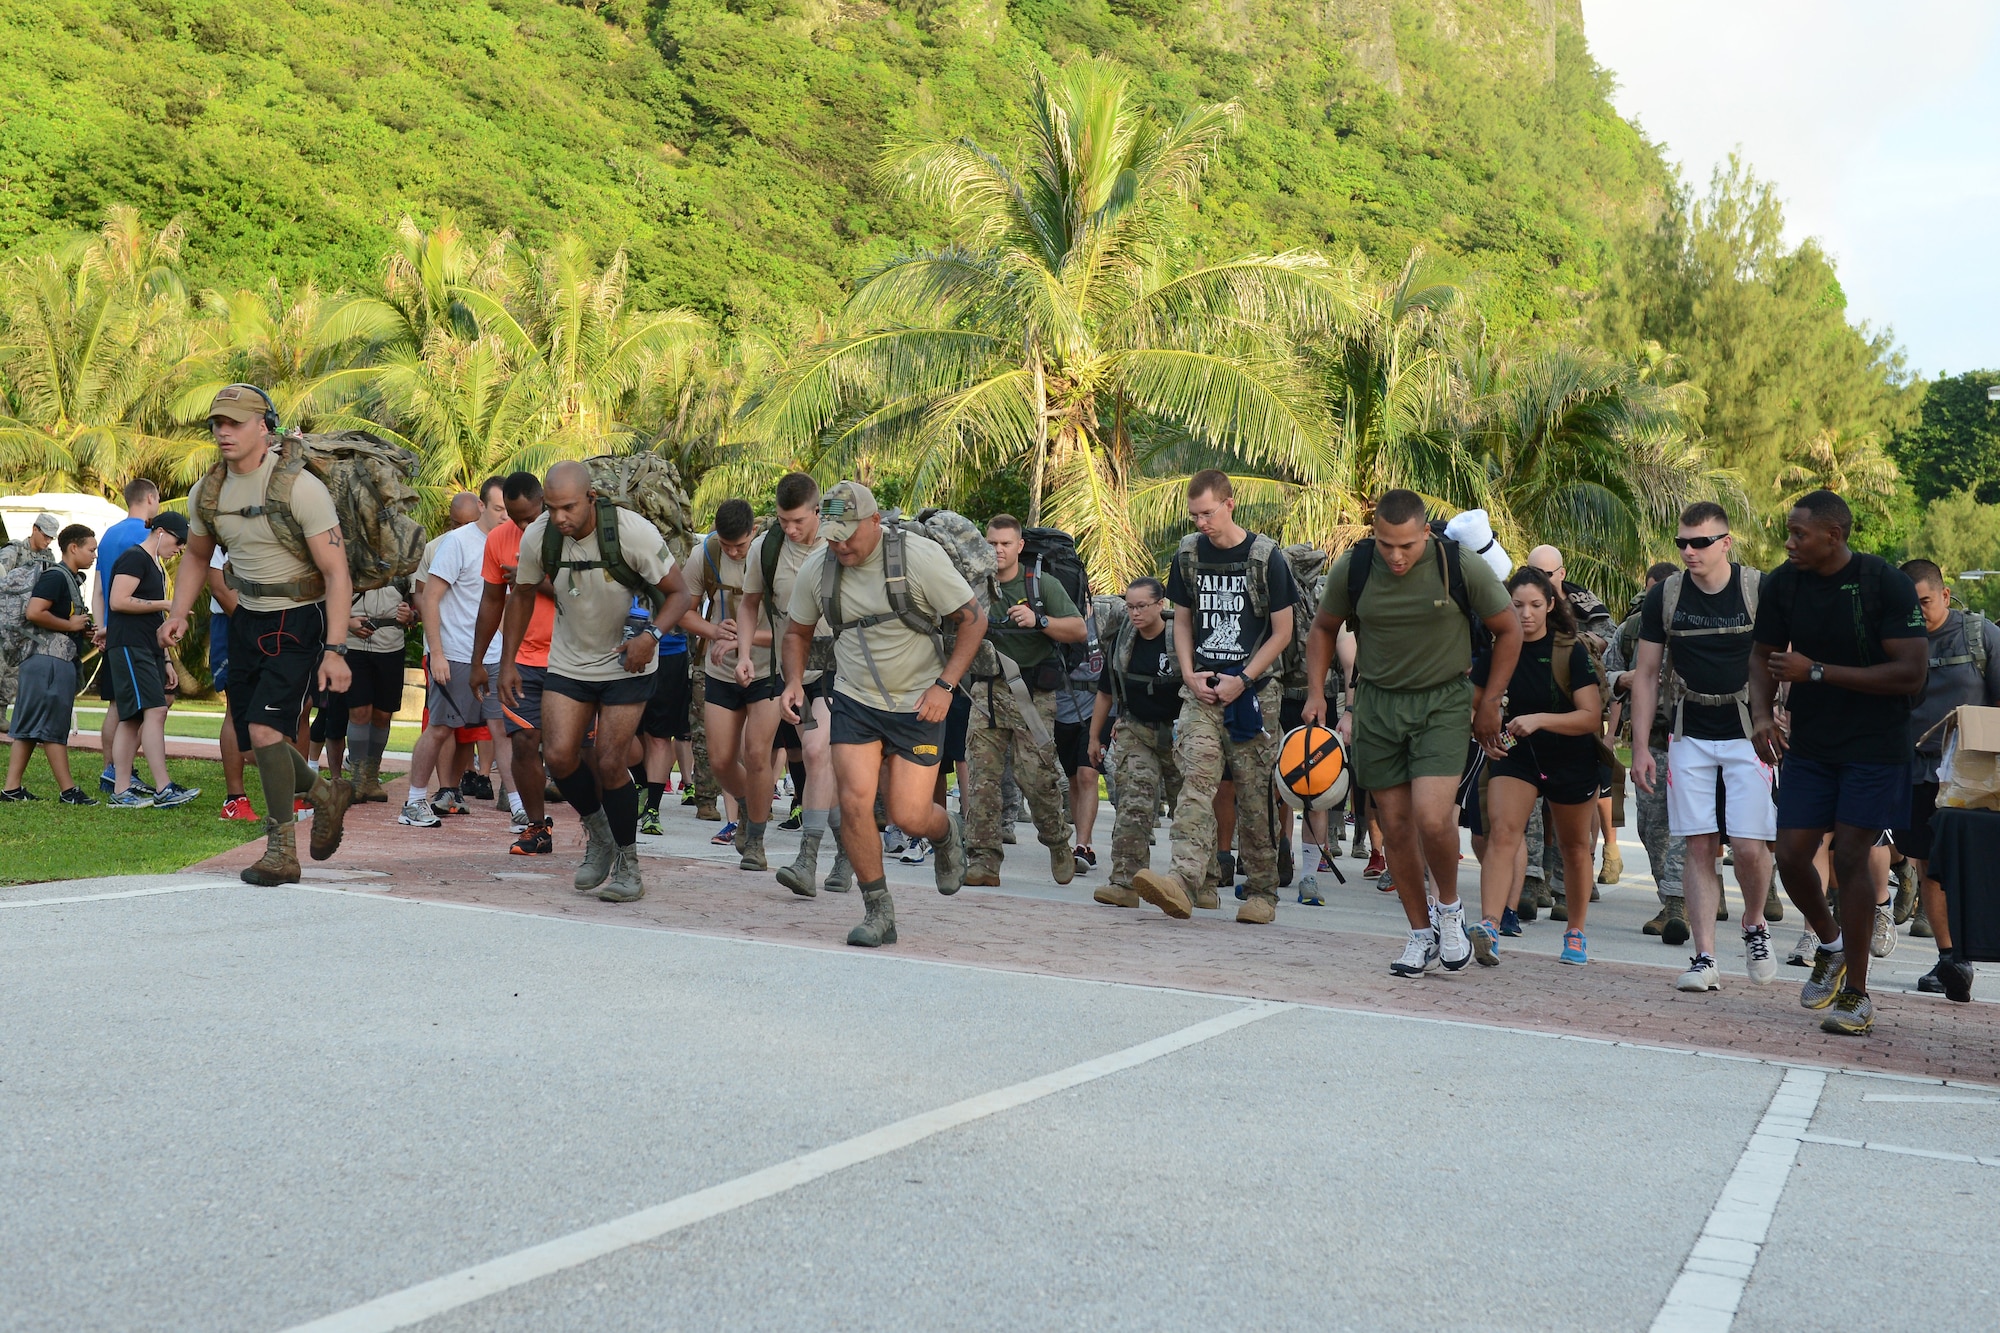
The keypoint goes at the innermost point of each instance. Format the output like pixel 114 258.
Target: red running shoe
pixel 238 807
pixel 1376 865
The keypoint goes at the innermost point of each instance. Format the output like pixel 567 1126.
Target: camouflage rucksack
pixel 649 486
pixel 369 480
pixel 1309 565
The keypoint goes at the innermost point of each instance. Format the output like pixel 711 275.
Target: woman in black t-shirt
pixel 1549 751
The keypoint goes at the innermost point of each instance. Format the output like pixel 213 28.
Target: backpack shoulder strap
pixel 829 591
pixel 1975 641
pixel 1560 653
pixel 767 558
pixel 206 499
pixel 1452 557
pixel 552 544
pixel 1670 600
pixel 1360 563
pixel 1184 563
pixel 1257 577
pixel 1753 583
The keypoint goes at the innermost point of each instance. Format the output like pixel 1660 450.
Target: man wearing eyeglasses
pixel 1699 622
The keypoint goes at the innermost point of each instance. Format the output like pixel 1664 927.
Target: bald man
pixel 610 618
pixel 1595 627
pixel 1593 619
pixel 437 749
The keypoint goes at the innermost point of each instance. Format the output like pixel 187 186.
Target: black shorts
pixel 1472 792
pixel 1071 750
pixel 1292 712
pixel 526 714
pixel 626 689
pixel 720 693
pixel 1564 782
pixel 1915 841
pixel 329 717
pixel 956 723
pixel 376 680
pixel 273 659
pixel 138 680
pixel 903 735
pixel 786 737
pixel 666 716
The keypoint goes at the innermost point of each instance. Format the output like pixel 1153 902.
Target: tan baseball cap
pixel 238 402
pixel 843 507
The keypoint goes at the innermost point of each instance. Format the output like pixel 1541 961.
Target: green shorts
pixel 1404 734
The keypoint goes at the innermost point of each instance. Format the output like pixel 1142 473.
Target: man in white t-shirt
pixel 449 599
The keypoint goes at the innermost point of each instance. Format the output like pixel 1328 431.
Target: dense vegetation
pixel 632 220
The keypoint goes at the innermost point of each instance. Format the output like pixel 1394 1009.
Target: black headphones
pixel 270 408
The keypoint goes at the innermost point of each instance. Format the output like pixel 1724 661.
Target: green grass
pixel 197 720
pixel 47 840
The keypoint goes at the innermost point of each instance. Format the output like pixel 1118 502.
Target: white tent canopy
pixel 93 511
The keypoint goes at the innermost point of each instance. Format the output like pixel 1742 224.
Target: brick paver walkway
pixel 459 863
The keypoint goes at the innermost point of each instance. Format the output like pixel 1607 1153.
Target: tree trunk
pixel 1041 445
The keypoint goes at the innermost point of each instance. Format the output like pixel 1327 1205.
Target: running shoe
pixel 1829 970
pixel 1325 861
pixel 795 820
pixel 1086 859
pixel 143 789
pixel 447 802
pixel 916 851
pixel 301 807
pixel 518 821
pixel 1510 921
pixel 1485 939
pixel 1949 979
pixel 238 808
pixel 687 796
pixel 417 813
pixel 1386 884
pixel 1420 955
pixel 649 822
pixel 1700 976
pixel 1242 892
pixel 534 840
pixel 130 799
pixel 1225 875
pixel 1802 952
pixel 477 786
pixel 1309 894
pixel 1882 939
pixel 893 839
pixel 1852 1014
pixel 107 781
pixel 724 836
pixel 1360 850
pixel 1757 957
pixel 1576 950
pixel 77 796
pixel 1377 864
pixel 1454 949
pixel 174 794
pixel 18 794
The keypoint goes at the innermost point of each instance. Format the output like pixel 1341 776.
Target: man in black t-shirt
pixel 1846 632
pixel 141 672
pixel 1706 650
pixel 1143 677
pixel 58 622
pixel 1234 596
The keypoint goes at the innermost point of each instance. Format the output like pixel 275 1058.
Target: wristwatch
pixel 1817 674
pixel 340 648
pixel 1041 621
pixel 656 632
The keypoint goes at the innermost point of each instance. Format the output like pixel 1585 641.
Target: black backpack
pixel 1451 558
pixel 1051 553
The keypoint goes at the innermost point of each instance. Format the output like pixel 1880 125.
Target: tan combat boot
pixel 878 926
pixel 1257 910
pixel 1117 895
pixel 280 862
pixel 982 869
pixel 1164 892
pixel 1613 866
pixel 330 797
pixel 370 787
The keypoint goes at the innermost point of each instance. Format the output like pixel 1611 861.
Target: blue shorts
pixel 218 650
pixel 1813 795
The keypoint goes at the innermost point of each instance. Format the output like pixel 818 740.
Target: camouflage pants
pixel 1142 759
pixel 995 733
pixel 1205 755
pixel 1665 852
pixel 706 788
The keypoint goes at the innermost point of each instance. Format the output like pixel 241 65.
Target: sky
pixel 1878 124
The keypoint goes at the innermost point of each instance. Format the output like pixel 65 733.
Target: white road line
pixel 1950 1101
pixel 127 893
pixel 1710 1286
pixel 425 1300
pixel 1899 1150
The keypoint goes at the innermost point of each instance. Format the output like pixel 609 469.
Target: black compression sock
pixel 638 772
pixel 798 772
pixel 579 788
pixel 621 808
pixel 654 790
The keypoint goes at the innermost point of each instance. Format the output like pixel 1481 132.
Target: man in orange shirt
pixel 523 494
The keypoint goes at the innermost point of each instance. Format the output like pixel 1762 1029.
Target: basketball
pixel 1312 769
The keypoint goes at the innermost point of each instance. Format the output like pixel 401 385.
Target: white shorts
pixel 1693 770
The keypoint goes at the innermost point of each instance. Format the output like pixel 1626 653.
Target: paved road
pixel 226 1108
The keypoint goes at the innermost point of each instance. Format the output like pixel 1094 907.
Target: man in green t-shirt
pixel 1025 623
pixel 1414 712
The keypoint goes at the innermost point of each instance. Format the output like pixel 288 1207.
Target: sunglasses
pixel 1697 543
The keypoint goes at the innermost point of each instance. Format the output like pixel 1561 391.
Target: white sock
pixel 1453 908
pixel 514 800
pixel 1833 944
pixel 1421 933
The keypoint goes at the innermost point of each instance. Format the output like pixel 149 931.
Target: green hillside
pixel 729 146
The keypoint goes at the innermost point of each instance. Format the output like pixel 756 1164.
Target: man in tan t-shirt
pixel 715 575
pixel 279 647
pixel 598 670
pixel 892 686
pixel 760 622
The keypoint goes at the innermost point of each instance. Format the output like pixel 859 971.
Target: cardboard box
pixel 1970 775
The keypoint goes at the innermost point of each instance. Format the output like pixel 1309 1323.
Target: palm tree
pixel 467 411
pixel 96 340
pixel 1853 467
pixel 426 278
pixel 1062 327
